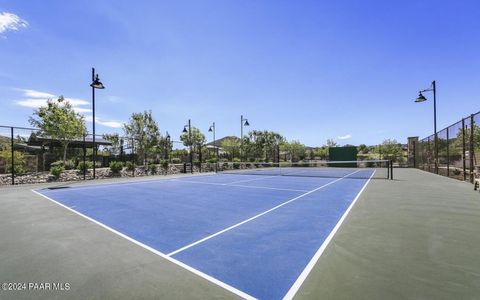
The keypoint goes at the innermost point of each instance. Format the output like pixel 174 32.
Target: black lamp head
pixel 185 129
pixel 420 98
pixel 97 84
pixel 246 123
pixel 210 129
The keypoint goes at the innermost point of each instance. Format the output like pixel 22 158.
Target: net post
pixel 13 156
pixel 391 169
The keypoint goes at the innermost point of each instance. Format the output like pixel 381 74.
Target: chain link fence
pixel 458 150
pixel 29 155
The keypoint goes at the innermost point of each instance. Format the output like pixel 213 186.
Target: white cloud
pixel 344 137
pixel 36 94
pixel 36 99
pixel 77 102
pixel 111 124
pixel 11 22
pixel 82 110
pixel 32 103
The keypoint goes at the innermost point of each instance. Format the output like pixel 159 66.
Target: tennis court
pixel 256 236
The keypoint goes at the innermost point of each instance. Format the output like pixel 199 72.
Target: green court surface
pixel 415 237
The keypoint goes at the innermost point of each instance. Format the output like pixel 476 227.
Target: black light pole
pixel 243 122
pixel 167 148
pixel 212 129
pixel 13 155
pixel 190 141
pixel 421 98
pixel 96 84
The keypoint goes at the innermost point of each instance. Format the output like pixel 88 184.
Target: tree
pixel 296 150
pixel 231 145
pixel 389 149
pixel 116 143
pixel 196 139
pixel 322 152
pixel 362 148
pixel 165 147
pixel 332 143
pixel 143 130
pixel 310 154
pixel 59 121
pixel 265 144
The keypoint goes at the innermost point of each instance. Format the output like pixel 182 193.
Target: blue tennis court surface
pixel 255 234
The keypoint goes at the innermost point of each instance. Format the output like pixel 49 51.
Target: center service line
pixel 257 216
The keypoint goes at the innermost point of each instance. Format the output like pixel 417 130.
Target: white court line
pixel 244 186
pixel 248 180
pixel 256 216
pixel 199 182
pixel 178 263
pixel 108 184
pixel 266 187
pixel 298 283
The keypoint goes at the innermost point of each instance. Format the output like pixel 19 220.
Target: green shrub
pixel 56 170
pixel 19 169
pixel 176 160
pixel 164 164
pixel 236 159
pixel 84 166
pixel 211 160
pixel 19 160
pixel 58 163
pixel 130 165
pixel 69 165
pixel 152 169
pixel 116 167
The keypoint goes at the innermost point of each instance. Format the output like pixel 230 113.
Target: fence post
pixel 463 150
pixel 84 158
pixel 448 156
pixel 13 156
pixel 133 156
pixel 472 127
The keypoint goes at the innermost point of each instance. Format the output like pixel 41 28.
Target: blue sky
pixel 311 70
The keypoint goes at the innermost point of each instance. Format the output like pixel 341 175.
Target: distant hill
pixel 219 141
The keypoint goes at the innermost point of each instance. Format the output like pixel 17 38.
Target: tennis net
pixel 380 169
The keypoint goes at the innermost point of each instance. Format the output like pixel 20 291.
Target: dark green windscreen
pixel 342 154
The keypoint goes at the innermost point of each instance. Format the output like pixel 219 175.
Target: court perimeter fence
pixel 458 150
pixel 29 155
